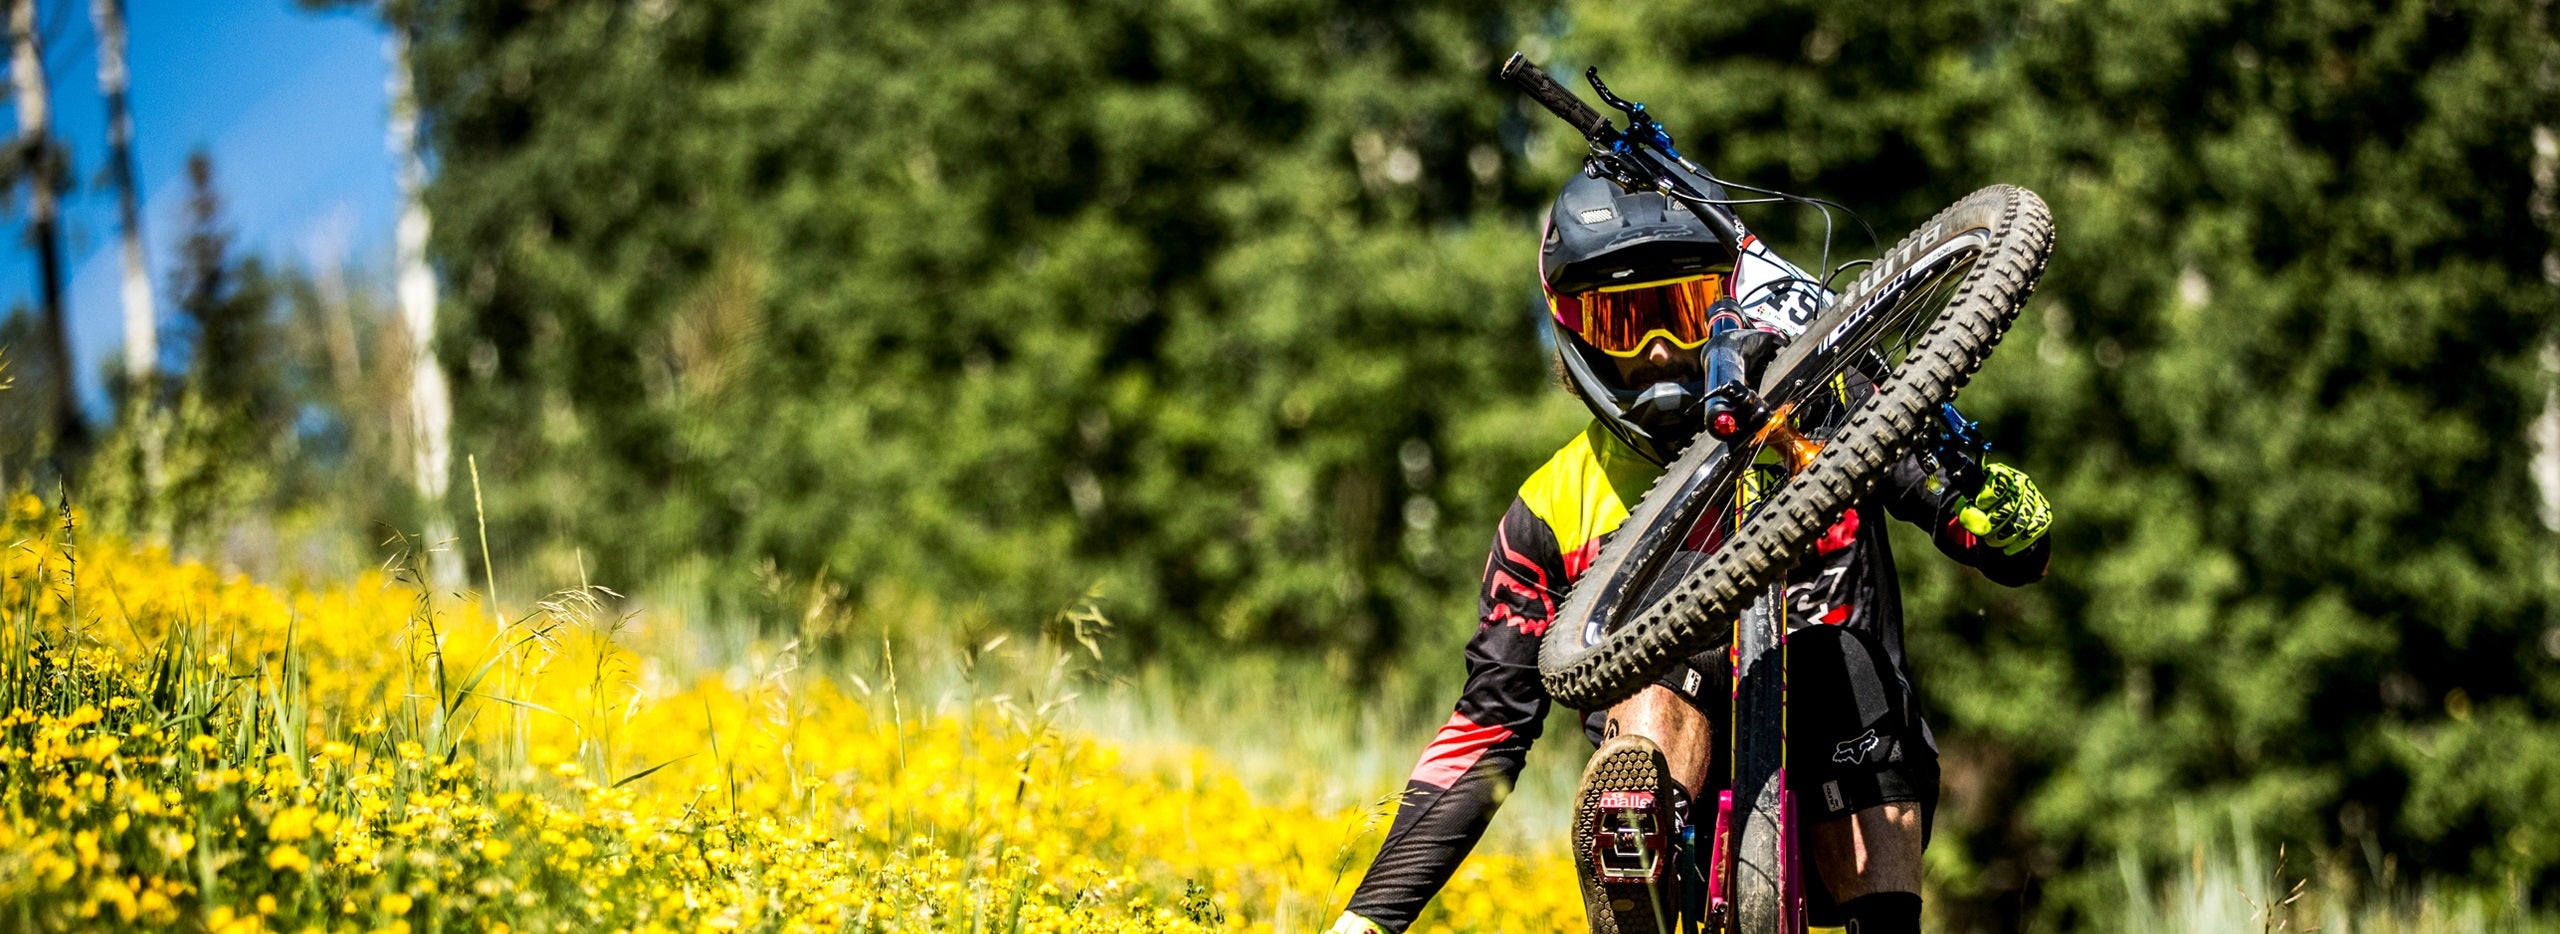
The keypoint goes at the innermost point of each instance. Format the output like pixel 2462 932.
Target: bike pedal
pixel 1622 831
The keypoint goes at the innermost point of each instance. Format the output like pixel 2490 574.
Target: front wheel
pixel 1918 324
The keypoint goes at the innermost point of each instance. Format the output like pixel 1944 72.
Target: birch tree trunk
pixel 430 403
pixel 35 144
pixel 141 322
pixel 141 314
pixel 2544 436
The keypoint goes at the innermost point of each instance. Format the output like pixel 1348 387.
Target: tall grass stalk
pixel 2230 883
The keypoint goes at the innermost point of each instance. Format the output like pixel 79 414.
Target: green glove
pixel 2009 513
pixel 1354 924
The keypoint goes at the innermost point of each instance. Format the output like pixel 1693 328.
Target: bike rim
pixel 1879 338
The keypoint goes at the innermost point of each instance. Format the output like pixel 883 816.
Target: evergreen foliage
pixel 224 429
pixel 1215 305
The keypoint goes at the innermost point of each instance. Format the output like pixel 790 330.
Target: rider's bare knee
pixel 1659 714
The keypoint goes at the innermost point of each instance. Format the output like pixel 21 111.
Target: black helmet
pixel 1631 248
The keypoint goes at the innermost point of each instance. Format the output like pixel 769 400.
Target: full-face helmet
pixel 1622 269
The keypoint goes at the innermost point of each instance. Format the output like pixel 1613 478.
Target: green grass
pixel 2234 881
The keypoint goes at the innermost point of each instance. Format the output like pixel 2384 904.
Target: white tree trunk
pixel 2545 434
pixel 430 402
pixel 35 134
pixel 2546 437
pixel 141 314
pixel 141 321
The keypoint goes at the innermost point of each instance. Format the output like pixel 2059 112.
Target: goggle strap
pixel 1648 339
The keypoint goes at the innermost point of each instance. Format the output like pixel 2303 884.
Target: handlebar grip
pixel 1558 99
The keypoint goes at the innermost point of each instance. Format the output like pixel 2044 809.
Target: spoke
pixel 1882 345
pixel 1916 308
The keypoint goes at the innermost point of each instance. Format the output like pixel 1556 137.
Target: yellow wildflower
pixel 292 823
pixel 288 858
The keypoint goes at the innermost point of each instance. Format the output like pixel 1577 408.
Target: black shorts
pixel 1854 735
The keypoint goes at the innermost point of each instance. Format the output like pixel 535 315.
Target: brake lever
pixel 1642 129
pixel 1592 74
pixel 1959 449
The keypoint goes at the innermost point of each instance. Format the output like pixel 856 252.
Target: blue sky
pixel 290 104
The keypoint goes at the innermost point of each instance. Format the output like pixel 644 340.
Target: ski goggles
pixel 1621 320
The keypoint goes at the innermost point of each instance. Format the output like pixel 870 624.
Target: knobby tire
pixel 2016 230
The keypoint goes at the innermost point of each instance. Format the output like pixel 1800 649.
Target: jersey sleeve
pixel 1472 762
pixel 1915 495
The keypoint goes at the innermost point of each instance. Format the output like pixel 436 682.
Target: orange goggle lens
pixel 1620 321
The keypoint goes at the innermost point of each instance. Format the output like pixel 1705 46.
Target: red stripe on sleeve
pixel 1580 560
pixel 1458 747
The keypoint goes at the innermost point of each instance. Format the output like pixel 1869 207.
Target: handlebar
pixel 1638 158
pixel 1559 100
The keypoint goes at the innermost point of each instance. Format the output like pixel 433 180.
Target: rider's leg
pixel 1659 714
pixel 1869 863
pixel 1865 774
pixel 1867 869
pixel 1871 851
pixel 1653 754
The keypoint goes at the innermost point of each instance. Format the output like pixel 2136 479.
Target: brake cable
pixel 1621 153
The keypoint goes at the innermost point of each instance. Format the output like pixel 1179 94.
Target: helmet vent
pixel 1596 215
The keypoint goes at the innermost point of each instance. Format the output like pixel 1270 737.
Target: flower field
pixel 181 748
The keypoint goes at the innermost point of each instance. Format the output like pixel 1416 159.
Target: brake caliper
pixel 1734 413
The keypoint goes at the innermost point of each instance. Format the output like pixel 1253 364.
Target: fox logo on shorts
pixel 1854 751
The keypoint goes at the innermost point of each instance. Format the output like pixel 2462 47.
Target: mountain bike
pixel 1916 323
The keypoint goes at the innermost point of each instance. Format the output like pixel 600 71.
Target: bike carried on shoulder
pixel 1916 324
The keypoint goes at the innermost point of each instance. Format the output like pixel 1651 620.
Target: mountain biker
pixel 1636 283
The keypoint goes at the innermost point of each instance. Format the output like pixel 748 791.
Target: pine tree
pixel 232 413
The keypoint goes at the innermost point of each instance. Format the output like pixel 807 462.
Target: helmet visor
pixel 1621 320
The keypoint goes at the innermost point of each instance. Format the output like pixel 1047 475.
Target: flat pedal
pixel 1622 832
